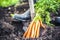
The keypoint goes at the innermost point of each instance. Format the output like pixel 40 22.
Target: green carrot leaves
pixel 44 7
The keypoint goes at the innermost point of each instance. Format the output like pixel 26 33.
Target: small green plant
pixel 6 3
pixel 44 7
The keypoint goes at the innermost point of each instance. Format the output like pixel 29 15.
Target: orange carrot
pixel 33 31
pixel 41 24
pixel 38 29
pixel 29 32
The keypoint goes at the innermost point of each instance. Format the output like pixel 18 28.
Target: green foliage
pixel 6 3
pixel 44 7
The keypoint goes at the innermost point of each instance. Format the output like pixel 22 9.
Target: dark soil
pixel 15 32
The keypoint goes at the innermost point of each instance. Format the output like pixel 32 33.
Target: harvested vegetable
pixel 33 30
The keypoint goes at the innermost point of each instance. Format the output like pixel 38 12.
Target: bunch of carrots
pixel 33 30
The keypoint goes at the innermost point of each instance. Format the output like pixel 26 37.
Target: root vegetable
pixel 33 30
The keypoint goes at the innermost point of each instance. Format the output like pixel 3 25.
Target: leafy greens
pixel 44 7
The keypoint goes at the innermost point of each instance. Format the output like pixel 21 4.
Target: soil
pixel 16 32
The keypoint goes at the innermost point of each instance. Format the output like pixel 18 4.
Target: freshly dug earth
pixel 6 33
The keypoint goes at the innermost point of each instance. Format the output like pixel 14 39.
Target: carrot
pixel 27 33
pixel 38 29
pixel 33 31
pixel 28 29
pixel 41 24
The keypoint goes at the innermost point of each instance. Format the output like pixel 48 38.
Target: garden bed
pixel 13 30
pixel 51 33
